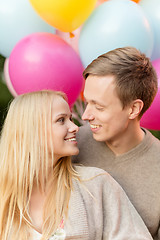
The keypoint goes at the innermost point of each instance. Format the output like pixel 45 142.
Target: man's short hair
pixel 134 74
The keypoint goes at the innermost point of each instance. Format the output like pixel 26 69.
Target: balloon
pixel 17 20
pixel 7 78
pixel 102 1
pixel 114 24
pixel 64 15
pixel 137 1
pixel 99 2
pixel 151 118
pixel 152 10
pixel 72 40
pixel 45 61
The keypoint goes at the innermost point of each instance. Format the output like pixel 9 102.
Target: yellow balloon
pixel 65 15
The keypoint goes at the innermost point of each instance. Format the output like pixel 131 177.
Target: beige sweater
pixel 137 171
pixel 103 213
pixel 107 214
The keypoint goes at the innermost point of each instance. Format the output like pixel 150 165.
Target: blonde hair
pixel 24 156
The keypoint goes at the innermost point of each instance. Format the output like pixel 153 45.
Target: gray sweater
pixel 137 171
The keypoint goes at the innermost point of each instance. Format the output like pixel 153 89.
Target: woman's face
pixel 63 130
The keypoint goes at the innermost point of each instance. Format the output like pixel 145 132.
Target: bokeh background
pixel 47 44
pixel 5 95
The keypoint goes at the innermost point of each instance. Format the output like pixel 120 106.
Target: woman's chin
pixel 75 152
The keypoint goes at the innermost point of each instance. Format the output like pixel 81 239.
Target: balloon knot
pixel 71 35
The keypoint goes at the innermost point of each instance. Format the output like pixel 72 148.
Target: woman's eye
pixel 61 120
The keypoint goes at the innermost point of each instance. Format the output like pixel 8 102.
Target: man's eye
pixel 99 108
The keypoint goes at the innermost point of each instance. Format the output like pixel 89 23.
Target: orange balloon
pixel 137 1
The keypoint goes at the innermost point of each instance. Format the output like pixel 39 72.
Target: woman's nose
pixel 73 127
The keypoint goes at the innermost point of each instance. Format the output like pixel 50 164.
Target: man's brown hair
pixel 134 74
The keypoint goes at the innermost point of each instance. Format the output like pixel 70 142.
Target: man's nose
pixel 87 115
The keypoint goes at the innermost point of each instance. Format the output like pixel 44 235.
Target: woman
pixel 42 196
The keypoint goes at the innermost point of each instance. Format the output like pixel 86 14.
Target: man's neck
pixel 132 137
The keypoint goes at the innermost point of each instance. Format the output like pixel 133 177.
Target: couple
pixel 43 196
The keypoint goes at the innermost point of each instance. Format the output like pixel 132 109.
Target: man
pixel 120 86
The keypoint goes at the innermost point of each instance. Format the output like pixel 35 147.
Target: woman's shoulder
pixel 97 177
pixel 86 172
pixel 98 183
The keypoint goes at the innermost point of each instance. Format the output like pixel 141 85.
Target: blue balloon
pixel 17 20
pixel 115 23
pixel 152 10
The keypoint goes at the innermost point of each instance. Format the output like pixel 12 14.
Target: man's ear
pixel 136 108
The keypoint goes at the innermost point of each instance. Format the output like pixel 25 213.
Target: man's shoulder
pixel 154 141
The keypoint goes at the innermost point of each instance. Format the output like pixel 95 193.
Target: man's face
pixel 107 118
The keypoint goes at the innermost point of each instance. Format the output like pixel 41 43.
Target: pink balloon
pixel 45 61
pixel 7 78
pixel 151 118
